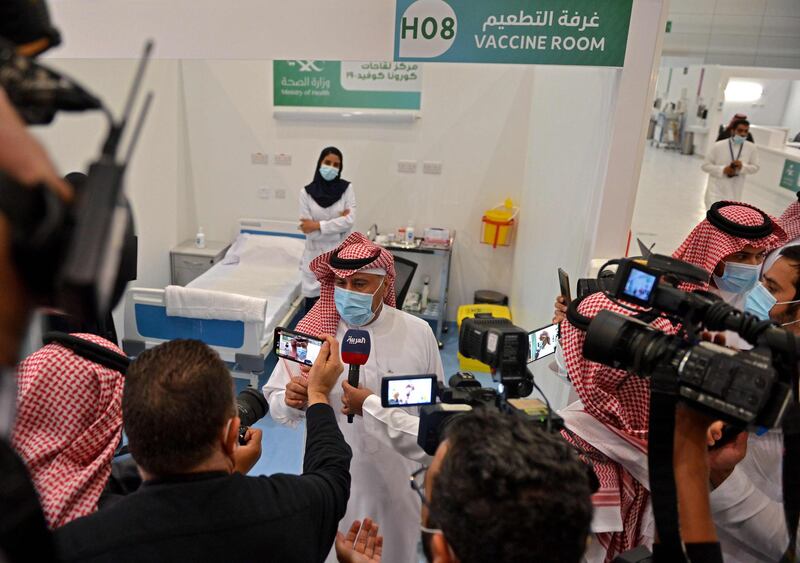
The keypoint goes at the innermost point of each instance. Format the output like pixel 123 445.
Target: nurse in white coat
pixel 358 291
pixel 727 164
pixel 327 214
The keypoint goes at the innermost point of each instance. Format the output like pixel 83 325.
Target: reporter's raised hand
pixel 362 544
pixel 559 309
pixel 247 455
pixel 325 372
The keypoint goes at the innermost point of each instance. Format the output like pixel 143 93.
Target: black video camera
pixel 252 406
pixel 746 389
pixel 76 257
pixel 504 347
pixel 501 345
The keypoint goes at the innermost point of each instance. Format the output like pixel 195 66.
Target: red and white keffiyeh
pixel 707 244
pixel 69 423
pixel 323 318
pixel 621 402
pixel 790 220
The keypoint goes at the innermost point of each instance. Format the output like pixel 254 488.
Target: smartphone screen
pixel 563 281
pixel 542 342
pixel 408 390
pixel 296 346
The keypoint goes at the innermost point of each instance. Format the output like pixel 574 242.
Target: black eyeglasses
pixel 417 480
pixel 418 484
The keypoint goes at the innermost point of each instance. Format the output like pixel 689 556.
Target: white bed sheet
pixel 265 267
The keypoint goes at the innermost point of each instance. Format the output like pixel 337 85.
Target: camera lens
pixel 252 406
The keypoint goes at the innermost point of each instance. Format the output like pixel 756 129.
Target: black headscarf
pixel 325 192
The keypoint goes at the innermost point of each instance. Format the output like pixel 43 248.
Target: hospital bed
pixel 260 273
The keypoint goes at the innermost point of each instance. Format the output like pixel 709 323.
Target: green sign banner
pixel 336 84
pixel 790 178
pixel 558 32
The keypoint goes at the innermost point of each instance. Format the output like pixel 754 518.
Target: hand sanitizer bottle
pixel 200 238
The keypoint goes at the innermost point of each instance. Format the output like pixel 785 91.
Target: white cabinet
pixel 188 262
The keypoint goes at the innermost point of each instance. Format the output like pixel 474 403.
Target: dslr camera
pixel 252 406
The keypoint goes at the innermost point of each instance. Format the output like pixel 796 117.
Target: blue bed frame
pixel 238 343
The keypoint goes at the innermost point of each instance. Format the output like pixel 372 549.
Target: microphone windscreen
pixel 356 347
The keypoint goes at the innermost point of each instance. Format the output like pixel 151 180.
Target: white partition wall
pixel 565 142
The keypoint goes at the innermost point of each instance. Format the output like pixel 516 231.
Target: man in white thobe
pixel 357 291
pixel 727 164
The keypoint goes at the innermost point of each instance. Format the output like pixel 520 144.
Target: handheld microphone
pixel 355 352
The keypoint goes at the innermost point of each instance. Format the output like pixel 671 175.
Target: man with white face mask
pixel 357 291
pixel 727 164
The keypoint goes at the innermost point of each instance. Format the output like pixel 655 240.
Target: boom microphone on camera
pixel 355 352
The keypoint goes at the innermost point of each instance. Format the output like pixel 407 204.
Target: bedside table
pixel 188 262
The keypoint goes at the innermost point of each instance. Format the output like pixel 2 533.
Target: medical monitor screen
pixel 297 347
pixel 639 285
pixel 542 342
pixel 408 390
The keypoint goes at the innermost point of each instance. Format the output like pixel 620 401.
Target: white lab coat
pixel 719 186
pixel 749 520
pixel 333 229
pixel 384 440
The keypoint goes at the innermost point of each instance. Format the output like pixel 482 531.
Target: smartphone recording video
pixel 542 342
pixel 295 346
pixel 408 390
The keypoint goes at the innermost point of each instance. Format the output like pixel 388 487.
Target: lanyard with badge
pixel 738 156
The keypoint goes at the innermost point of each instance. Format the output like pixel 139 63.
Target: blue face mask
pixel 760 302
pixel 737 140
pixel 328 172
pixel 738 278
pixel 355 308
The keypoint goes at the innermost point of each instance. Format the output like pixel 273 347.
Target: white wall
pixel 750 33
pixel 211 29
pixel 563 184
pixel 770 109
pixel 474 120
pixel 75 140
pixel 791 118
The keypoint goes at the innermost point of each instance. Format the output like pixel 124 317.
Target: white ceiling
pixel 735 32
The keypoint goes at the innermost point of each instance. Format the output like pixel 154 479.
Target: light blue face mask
pixel 760 302
pixel 354 307
pixel 737 140
pixel 328 172
pixel 738 278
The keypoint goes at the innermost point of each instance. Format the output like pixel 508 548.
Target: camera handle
pixel 791 479
pixel 660 444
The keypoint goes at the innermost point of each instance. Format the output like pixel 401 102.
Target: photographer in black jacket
pixel 502 490
pixel 195 504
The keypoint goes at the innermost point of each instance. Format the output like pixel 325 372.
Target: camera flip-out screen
pixel 639 286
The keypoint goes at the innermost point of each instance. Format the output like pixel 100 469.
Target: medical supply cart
pixel 436 311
